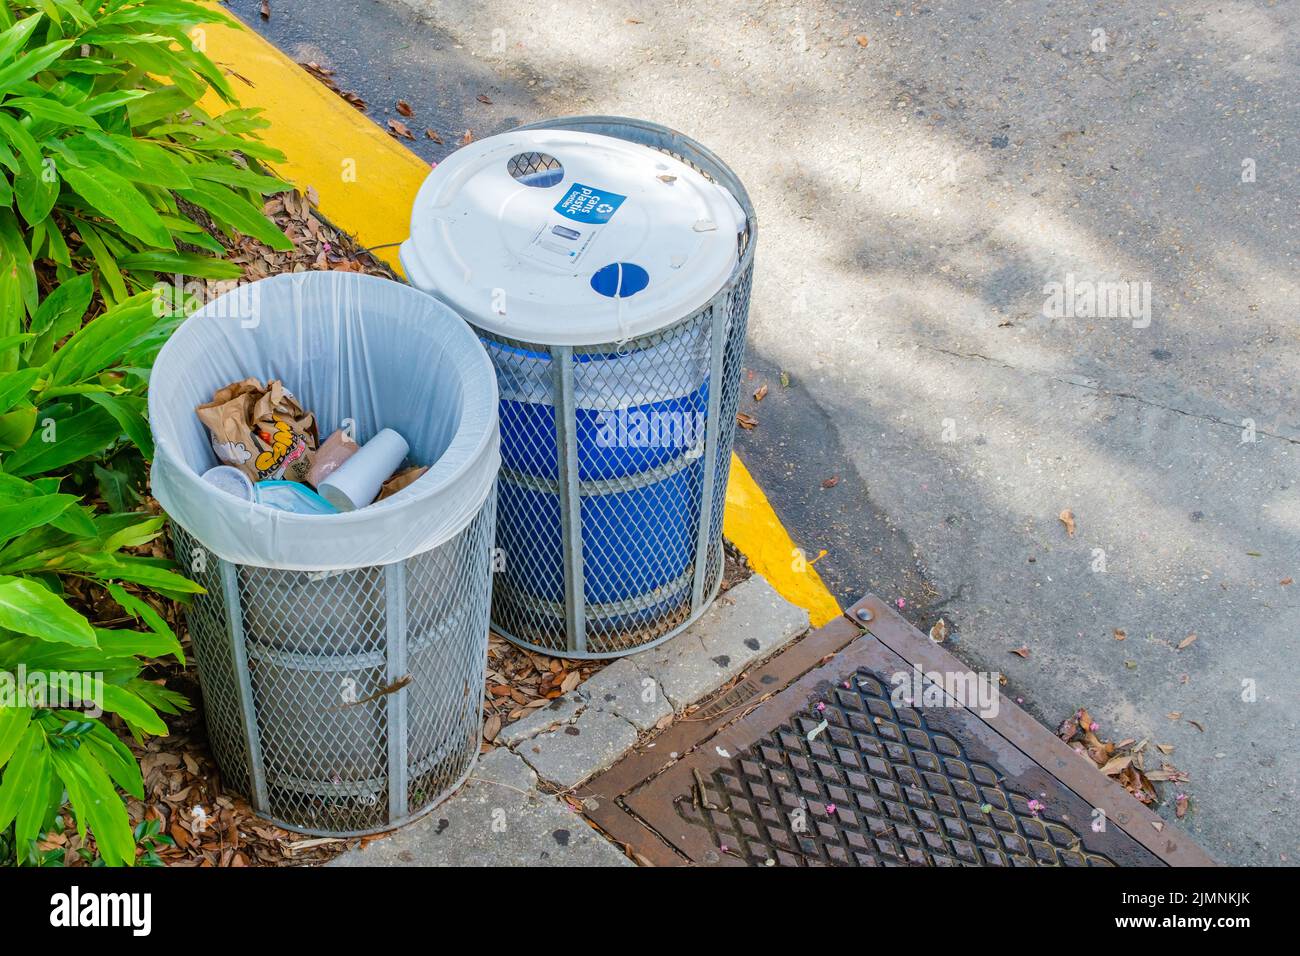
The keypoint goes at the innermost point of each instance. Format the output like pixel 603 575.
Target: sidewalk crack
pixel 1103 390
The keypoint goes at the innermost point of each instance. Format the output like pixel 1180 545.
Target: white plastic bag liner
pixel 666 370
pixel 349 347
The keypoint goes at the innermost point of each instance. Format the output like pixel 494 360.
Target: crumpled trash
pixel 400 480
pixel 334 451
pixel 261 430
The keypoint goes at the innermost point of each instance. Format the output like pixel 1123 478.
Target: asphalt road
pixel 928 177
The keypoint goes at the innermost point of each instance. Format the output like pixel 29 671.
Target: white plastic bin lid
pixel 619 241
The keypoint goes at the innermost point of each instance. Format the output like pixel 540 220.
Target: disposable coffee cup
pixel 355 483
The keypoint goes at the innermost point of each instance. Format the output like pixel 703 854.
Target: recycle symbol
pixel 604 208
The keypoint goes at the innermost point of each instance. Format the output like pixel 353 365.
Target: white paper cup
pixel 355 483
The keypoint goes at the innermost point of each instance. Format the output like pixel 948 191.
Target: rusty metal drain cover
pixel 840 769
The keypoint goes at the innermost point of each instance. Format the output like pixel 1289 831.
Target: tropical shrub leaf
pixel 111 173
pixel 30 608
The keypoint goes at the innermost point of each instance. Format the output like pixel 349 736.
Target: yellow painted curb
pixel 366 183
pixel 752 526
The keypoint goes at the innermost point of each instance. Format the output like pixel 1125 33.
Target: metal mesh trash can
pixel 341 657
pixel 606 265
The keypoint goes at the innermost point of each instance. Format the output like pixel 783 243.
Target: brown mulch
pixel 318 246
pixel 210 825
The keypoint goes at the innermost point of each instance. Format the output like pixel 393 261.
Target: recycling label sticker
pixel 587 205
pixel 572 224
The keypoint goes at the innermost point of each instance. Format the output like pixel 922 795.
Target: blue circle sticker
pixel 618 280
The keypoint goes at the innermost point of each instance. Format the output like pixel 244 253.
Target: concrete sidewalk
pixel 511 812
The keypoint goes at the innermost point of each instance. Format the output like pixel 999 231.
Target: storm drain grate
pixel 837 767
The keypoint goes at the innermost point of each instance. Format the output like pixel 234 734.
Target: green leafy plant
pixel 62 409
pixel 114 166
pixel 108 161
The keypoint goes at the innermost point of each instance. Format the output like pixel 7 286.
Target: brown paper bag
pixel 399 480
pixel 261 430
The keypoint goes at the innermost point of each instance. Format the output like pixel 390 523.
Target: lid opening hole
pixel 535 169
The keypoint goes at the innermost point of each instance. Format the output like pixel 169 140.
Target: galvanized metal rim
pixel 613 655
pixel 391 825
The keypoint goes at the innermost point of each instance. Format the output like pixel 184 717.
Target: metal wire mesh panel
pixel 733 361
pixel 626 431
pixel 615 457
pixel 344 702
pixel 218 675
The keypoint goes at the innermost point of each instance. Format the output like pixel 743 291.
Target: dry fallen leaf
pixel 1116 764
pixel 1168 773
pixel 862 40
pixel 760 393
pixel 1066 518
pixel 939 633
pixel 1175 715
pixel 433 135
pixel 1196 724
pixel 467 138
pixel 831 482
pixel 398 128
pixel 1286 581
pixel 492 727
pixel 1121 761
pixel 1159 826
pixel 483 98
pixel 747 422
pixel 1187 641
pixel 1180 805
pixel 1120 633
pixel 404 108
pixel 266 9
pixel 1022 651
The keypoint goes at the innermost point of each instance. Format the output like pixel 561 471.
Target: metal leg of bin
pixel 244 678
pixel 396 662
pixel 566 441
pixel 712 429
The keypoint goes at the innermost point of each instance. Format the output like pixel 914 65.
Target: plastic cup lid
pixel 230 480
pixel 569 238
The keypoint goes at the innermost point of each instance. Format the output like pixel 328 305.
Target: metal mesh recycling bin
pixel 341 656
pixel 606 265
